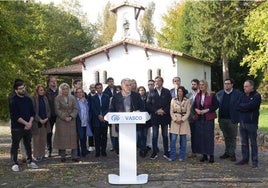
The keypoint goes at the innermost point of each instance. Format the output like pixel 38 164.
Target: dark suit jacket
pixel 107 91
pixel 155 102
pixel 97 109
pixel 117 103
pixel 37 118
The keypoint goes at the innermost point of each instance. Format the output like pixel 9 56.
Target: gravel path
pixel 93 172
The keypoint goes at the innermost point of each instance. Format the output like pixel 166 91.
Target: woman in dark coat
pixel 41 124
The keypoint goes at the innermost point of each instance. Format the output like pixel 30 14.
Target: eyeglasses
pixel 227 83
pixel 21 87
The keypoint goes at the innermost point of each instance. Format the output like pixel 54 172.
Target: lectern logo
pixel 115 118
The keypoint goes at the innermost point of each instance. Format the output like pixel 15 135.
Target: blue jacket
pixel 235 95
pixel 97 109
pixel 78 121
pixel 248 107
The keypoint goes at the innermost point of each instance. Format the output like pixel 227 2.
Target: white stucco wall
pixel 135 65
pixel 189 70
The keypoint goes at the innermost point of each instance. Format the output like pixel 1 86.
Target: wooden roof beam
pixel 106 51
pixel 146 53
pixel 82 61
pixel 137 12
pixel 173 57
pixel 125 46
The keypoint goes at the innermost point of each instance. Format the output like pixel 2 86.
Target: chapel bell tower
pixel 127 21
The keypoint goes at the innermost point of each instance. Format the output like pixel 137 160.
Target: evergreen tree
pixel 147 27
pixel 106 26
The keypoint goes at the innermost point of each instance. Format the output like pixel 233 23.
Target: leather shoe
pixel 211 159
pixel 241 163
pixel 232 158
pixel 204 158
pixel 143 153
pixel 224 156
pixel 63 160
pixel 104 154
pixel 97 155
pixel 75 160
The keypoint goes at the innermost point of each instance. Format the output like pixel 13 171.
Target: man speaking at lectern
pixel 126 101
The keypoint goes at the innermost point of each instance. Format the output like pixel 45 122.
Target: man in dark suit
pixel 110 90
pixel 92 92
pixel 177 83
pixel 100 107
pixel 126 101
pixel 158 104
pixel 51 93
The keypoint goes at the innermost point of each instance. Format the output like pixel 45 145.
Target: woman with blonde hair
pixel 65 133
pixel 134 86
pixel 205 106
pixel 41 124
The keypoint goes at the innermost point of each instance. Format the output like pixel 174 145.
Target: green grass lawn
pixel 263 120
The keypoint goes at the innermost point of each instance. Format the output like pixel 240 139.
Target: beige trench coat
pixel 65 133
pixel 175 113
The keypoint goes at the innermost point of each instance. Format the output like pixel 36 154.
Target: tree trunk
pixel 225 67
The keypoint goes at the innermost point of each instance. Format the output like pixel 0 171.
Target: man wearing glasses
pixel 228 117
pixel 22 116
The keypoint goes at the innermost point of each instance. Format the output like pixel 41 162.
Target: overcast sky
pixel 95 7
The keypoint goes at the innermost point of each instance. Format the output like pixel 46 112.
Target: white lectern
pixel 127 146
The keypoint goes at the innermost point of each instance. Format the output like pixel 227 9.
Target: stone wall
pixel 262 137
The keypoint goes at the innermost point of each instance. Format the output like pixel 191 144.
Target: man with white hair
pixel 126 101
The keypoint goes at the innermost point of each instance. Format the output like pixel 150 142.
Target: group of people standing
pixel 234 107
pixel 79 119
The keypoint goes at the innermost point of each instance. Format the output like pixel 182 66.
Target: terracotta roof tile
pixel 69 70
pixel 105 49
pixel 126 4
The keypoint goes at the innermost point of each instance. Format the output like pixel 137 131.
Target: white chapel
pixel 127 57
